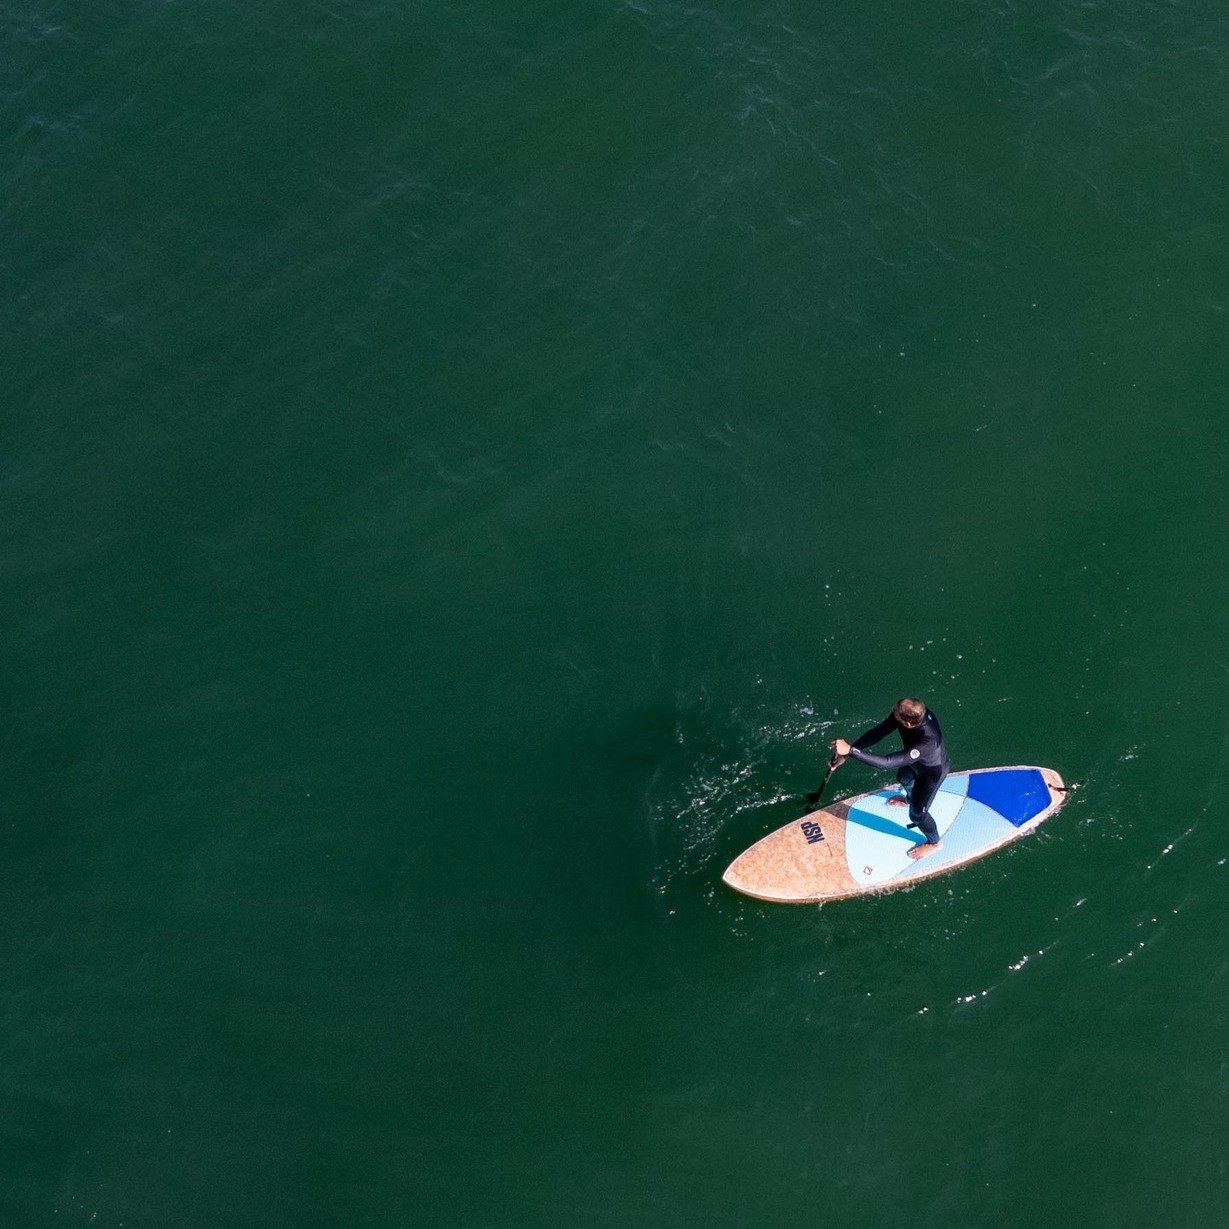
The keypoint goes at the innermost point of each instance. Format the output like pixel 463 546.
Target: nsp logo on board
pixel 812 831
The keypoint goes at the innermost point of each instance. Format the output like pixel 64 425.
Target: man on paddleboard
pixel 921 766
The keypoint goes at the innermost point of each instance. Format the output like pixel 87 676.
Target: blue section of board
pixel 955 783
pixel 975 829
pixel 877 841
pixel 1015 793
pixel 975 812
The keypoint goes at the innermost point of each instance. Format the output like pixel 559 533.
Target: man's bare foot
pixel 920 851
pixel 898 802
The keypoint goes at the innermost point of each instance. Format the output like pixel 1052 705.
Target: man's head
pixel 909 712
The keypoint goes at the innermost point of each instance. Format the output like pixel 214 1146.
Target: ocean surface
pixel 461 463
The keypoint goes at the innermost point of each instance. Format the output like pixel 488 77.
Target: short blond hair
pixel 909 710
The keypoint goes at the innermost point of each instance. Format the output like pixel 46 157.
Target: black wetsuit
pixel 921 766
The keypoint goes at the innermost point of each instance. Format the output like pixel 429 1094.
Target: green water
pixel 461 465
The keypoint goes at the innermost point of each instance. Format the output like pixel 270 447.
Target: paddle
pixel 833 764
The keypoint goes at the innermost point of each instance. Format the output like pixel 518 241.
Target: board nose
pixel 731 877
pixel 746 874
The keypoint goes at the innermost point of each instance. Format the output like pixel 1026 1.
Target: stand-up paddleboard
pixel 861 845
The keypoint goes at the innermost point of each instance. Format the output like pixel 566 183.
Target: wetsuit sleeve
pixel 877 735
pixel 899 760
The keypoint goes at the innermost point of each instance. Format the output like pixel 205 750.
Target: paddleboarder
pixel 920 766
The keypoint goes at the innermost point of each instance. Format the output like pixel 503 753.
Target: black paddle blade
pixel 814 796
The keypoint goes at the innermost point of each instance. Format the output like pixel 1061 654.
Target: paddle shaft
pixel 832 767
